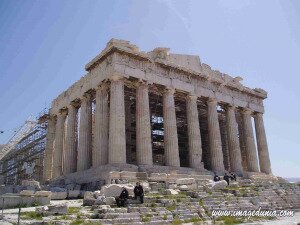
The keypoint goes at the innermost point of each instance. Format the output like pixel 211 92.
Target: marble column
pixel 262 145
pixel 59 144
pixel 100 150
pixel 195 145
pixel 214 135
pixel 143 129
pixel 48 159
pixel 170 129
pixel 84 156
pixel 70 154
pixel 252 162
pixel 117 138
pixel 235 157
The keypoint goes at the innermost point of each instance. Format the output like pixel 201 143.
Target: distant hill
pixel 293 179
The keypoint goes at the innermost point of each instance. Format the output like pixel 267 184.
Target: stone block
pixel 13 200
pixel 142 176
pixel 101 209
pixel 171 192
pixel 172 186
pixel 31 183
pixel 58 189
pixel 145 186
pixel 114 175
pixel 73 193
pixel 43 193
pixel 114 190
pixel 183 188
pixel 110 201
pixel 234 184
pixel 60 209
pixel 219 185
pixel 158 177
pixel 59 195
pixel 27 193
pixel 89 199
pixel 127 175
pixel 100 200
pixel 185 181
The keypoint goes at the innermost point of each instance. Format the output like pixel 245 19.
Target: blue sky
pixel 44 46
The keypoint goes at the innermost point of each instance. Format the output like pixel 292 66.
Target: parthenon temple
pixel 154 112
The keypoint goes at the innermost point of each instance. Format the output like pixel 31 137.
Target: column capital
pixel 86 95
pixel 75 103
pixel 192 97
pixel 231 106
pixel 212 101
pixel 115 77
pixel 142 83
pixel 63 111
pixel 247 111
pixel 169 90
pixel 258 114
pixel 102 86
pixel 52 117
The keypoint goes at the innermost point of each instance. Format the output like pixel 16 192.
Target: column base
pixel 172 169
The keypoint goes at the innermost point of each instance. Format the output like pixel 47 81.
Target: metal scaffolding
pixel 22 157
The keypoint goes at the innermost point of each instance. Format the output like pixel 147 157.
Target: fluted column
pixel 100 151
pixel 59 144
pixel 117 138
pixel 262 145
pixel 70 155
pixel 195 145
pixel 252 161
pixel 215 143
pixel 84 156
pixel 170 129
pixel 48 159
pixel 235 157
pixel 143 129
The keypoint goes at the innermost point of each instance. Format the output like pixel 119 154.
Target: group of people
pixel 138 194
pixel 226 177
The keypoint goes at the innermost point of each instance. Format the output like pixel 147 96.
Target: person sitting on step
pixel 139 192
pixel 122 199
pixel 226 178
pixel 233 176
pixel 216 177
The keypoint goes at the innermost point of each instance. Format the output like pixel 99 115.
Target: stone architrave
pixel 143 129
pixel 48 160
pixel 117 138
pixel 84 156
pixel 100 150
pixel 233 141
pixel 252 161
pixel 194 137
pixel 214 135
pixel 70 154
pixel 262 145
pixel 59 144
pixel 170 129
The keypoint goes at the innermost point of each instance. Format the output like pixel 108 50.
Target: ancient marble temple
pixel 155 111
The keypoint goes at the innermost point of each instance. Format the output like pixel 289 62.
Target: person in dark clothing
pixel 122 199
pixel 139 192
pixel 233 176
pixel 216 177
pixel 226 178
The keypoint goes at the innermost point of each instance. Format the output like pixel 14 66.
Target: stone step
pixel 120 221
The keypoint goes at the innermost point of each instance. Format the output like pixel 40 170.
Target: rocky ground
pixel 169 206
